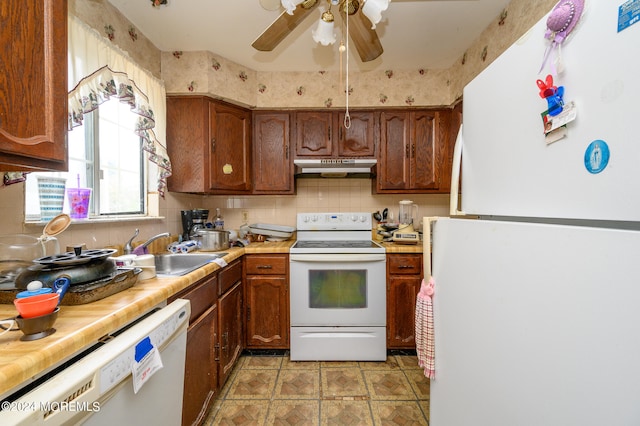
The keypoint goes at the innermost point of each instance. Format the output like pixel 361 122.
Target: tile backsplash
pixel 313 195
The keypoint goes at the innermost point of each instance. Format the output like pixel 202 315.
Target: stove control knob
pixel 354 218
pixel 363 219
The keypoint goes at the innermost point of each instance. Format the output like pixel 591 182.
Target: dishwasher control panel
pixel 162 329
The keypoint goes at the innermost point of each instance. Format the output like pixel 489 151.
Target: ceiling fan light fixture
pixel 290 5
pixel 350 6
pixel 373 9
pixel 324 32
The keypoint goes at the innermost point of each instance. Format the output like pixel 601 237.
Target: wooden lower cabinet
pixel 267 301
pixel 201 368
pixel 230 336
pixel 404 276
pixel 201 373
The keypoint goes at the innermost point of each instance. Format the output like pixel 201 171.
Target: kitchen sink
pixel 177 264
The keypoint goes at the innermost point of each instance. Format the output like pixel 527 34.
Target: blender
pixel 407 215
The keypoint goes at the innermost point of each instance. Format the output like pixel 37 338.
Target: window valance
pixel 99 71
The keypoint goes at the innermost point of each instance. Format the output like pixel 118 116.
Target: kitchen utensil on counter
pixel 212 240
pixel 124 261
pixel 407 218
pixel 34 288
pixel 385 213
pixel 147 264
pixel 377 216
pixel 32 328
pixel 407 213
pixel 186 217
pixel 272 232
pixel 37 327
pixel 118 281
pixel 200 217
pixel 75 258
pixel 35 306
pixel 18 251
pixel 78 273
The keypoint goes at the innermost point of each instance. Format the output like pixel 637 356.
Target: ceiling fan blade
pixel 365 39
pixel 281 27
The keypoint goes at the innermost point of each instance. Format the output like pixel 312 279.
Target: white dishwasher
pixel 98 389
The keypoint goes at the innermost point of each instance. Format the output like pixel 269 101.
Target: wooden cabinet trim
pixel 229 276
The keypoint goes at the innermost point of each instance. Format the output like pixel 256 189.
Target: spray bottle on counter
pixel 218 223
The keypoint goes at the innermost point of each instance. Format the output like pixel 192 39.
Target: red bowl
pixel 35 306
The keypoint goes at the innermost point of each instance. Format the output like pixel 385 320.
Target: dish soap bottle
pixel 218 223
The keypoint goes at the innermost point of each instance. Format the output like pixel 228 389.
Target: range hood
pixel 335 167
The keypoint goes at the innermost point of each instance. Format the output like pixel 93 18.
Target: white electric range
pixel 337 289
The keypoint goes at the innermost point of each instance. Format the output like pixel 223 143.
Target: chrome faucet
pixel 142 248
pixel 127 247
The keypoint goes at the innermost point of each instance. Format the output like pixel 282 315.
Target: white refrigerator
pixel 537 302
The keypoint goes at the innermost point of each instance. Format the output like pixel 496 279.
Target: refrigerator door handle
pixel 427 229
pixel 455 176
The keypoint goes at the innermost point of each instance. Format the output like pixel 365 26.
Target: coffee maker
pixel 200 217
pixel 187 223
pixel 192 220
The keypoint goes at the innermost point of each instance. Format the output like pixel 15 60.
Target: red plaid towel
pixel 425 345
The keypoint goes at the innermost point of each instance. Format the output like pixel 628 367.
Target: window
pixel 105 154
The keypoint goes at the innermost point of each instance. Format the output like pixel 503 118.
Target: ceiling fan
pixel 361 29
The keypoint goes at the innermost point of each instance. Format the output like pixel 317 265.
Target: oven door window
pixel 338 288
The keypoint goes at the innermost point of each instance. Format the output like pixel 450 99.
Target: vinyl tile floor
pixel 272 390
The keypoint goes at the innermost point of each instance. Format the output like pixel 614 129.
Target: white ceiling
pixel 414 33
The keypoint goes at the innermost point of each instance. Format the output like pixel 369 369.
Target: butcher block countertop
pixel 80 326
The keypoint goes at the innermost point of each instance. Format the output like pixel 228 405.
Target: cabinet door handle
pixel 406 151
pixel 329 132
pixel 405 267
pixel 265 267
pixel 340 137
pixel 216 352
pixel 286 152
pixel 225 340
pixel 248 313
pixel 213 144
pixel 413 151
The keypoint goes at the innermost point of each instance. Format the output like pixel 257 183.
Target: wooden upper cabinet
pixel 323 134
pixel 272 165
pixel 314 134
pixel 423 151
pixel 415 152
pixel 230 158
pixel 209 144
pixel 359 139
pixel 393 164
pixel 33 85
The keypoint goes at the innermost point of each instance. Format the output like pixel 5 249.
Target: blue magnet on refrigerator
pixel 596 156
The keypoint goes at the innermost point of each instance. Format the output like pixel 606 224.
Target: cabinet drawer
pixel 230 275
pixel 405 264
pixel 266 264
pixel 202 297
